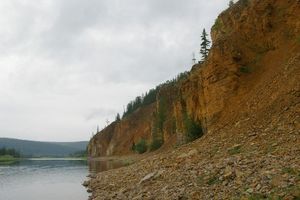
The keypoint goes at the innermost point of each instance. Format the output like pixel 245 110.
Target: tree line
pixel 11 152
pixel 149 97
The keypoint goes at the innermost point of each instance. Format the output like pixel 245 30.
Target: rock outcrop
pixel 246 96
pixel 255 43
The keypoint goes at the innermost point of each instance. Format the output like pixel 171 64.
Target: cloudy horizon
pixel 67 66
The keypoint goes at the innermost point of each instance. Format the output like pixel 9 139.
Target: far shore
pixel 9 159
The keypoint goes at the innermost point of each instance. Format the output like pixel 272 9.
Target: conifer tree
pixel 204 45
pixel 118 118
pixel 231 3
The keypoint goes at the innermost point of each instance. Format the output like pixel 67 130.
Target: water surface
pixel 49 179
pixel 43 179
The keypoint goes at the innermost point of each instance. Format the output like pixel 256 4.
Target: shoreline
pixel 10 159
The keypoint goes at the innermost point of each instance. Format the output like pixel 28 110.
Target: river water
pixel 48 179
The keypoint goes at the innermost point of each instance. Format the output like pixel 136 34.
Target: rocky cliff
pixel 246 96
pixel 255 46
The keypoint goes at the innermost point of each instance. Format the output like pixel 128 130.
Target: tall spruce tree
pixel 231 3
pixel 204 45
pixel 118 118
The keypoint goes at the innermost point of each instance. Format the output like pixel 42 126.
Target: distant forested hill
pixel 40 149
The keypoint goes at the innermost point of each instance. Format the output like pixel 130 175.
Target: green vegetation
pixel 231 3
pixel 79 154
pixel 204 46
pixel 118 118
pixel 235 150
pixel 218 24
pixel 212 180
pixel 156 144
pixel 291 171
pixel 193 128
pixel 158 125
pixel 7 158
pixel 258 196
pixel 298 39
pixel 245 69
pixel 243 2
pixel 9 152
pixel 150 96
pixel 141 146
pixel 161 114
pixel 43 149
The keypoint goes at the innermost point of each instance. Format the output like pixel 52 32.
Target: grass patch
pixel 6 158
pixel 235 150
pixel 258 196
pixel 218 24
pixel 289 170
pixel 128 162
pixel 212 180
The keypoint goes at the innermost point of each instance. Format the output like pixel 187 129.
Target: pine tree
pixel 231 3
pixel 204 45
pixel 118 118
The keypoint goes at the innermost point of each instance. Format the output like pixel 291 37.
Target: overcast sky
pixel 68 65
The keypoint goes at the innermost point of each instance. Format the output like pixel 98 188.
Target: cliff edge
pixel 245 96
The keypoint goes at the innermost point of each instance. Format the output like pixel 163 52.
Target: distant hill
pixel 40 149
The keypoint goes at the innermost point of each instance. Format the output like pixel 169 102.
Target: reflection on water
pixel 100 166
pixel 43 179
pixel 49 179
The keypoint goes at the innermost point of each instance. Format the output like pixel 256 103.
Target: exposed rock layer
pixel 247 97
pixel 254 42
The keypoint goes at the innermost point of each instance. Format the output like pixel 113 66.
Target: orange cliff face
pixel 118 137
pixel 252 45
pixel 252 72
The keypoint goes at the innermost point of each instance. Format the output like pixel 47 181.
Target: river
pixel 47 179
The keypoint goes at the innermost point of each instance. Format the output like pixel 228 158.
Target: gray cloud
pixel 68 65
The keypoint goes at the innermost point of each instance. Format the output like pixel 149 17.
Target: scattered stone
pixel 86 183
pixel 250 190
pixel 147 177
pixel 89 190
pixel 228 173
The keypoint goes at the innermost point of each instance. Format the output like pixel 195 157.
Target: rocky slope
pixel 247 97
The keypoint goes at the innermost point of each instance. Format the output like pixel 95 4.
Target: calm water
pixel 48 179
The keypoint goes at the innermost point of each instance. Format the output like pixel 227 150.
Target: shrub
pixel 141 146
pixel 156 144
pixel 218 24
pixel 245 69
pixel 193 129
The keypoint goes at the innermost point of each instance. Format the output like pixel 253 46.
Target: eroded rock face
pixel 118 137
pixel 255 45
pixel 251 41
pixel 247 96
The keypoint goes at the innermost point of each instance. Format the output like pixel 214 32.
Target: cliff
pixel 246 97
pixel 251 73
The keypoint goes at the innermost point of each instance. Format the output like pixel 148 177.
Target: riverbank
pixel 226 164
pixel 8 158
